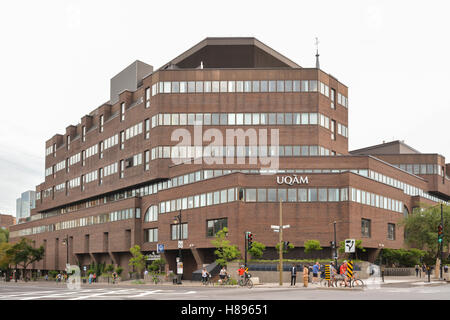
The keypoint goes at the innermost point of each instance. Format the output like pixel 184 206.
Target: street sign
pixel 153 257
pixel 350 269
pixel 286 226
pixel 180 244
pixel 180 268
pixel 275 227
pixel 350 245
pixel 327 272
pixel 159 248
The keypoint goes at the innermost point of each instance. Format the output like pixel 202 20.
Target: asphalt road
pixel 52 291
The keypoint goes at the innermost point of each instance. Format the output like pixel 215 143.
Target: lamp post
pixel 66 243
pixel 177 220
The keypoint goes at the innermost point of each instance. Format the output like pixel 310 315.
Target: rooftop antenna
pixel 317 53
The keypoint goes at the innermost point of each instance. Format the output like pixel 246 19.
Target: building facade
pixel 221 134
pixel 7 221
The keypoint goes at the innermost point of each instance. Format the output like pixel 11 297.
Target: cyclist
pixel 205 276
pixel 333 274
pixel 242 271
pixel 343 272
pixel 223 274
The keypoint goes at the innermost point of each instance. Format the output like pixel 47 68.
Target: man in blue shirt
pixel 316 268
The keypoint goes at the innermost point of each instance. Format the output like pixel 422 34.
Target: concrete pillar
pixel 198 258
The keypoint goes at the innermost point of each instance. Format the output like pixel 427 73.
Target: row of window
pixel 321 195
pixel 81 222
pixel 207 174
pixel 133 131
pixel 212 227
pixel 248 86
pixel 191 152
pixel 244 119
pixel 422 168
pixel 366 229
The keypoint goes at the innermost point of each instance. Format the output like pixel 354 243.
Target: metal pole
pixel 179 238
pixel 67 249
pixel 335 246
pixel 281 245
pixel 245 248
pixel 442 242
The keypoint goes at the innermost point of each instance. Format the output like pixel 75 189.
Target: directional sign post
pixel 350 245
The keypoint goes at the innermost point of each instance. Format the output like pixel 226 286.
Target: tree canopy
pixel 421 227
pixel 224 251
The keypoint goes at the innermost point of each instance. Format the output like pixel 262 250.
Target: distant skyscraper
pixel 24 204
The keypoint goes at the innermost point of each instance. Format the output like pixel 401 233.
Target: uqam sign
pixel 291 180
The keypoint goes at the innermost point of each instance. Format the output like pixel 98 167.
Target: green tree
pixel 23 253
pixel 137 261
pixel 119 270
pixel 158 265
pixel 421 227
pixel 4 235
pixel 257 249
pixel 312 245
pixel 224 251
pixel 5 258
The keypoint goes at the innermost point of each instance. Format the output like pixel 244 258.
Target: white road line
pixel 25 294
pixel 56 295
pixel 145 293
pixel 100 294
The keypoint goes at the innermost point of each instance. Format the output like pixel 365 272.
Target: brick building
pixel 221 133
pixel 7 221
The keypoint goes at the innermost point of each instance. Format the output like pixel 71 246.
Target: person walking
pixel 417 270
pixel 315 272
pixel 305 275
pixel 424 270
pixel 293 274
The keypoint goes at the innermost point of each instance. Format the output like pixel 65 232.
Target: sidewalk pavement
pixel 189 283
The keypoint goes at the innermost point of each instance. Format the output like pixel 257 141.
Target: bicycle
pixel 225 281
pixel 207 281
pixel 324 283
pixel 246 282
pixel 352 283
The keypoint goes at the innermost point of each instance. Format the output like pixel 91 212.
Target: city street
pixel 191 291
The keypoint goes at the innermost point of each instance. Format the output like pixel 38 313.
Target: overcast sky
pixel 57 58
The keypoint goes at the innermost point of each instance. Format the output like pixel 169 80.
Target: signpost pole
pixel 281 244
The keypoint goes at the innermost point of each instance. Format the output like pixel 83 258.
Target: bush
pixel 402 257
pixel 119 271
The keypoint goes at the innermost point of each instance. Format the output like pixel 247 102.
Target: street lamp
pixel 177 221
pixel 65 242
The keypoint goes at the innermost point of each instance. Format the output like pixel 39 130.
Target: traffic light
pixel 249 240
pixel 285 245
pixel 332 244
pixel 440 233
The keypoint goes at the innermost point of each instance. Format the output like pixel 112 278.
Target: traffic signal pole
pixel 281 245
pixel 441 242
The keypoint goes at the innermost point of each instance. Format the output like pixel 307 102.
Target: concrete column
pixel 198 258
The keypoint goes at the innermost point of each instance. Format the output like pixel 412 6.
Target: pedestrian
pixel 94 277
pixel 424 270
pixel 315 272
pixel 90 278
pixel 417 270
pixel 293 274
pixel 305 275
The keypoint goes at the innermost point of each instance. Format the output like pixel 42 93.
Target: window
pixel 147 160
pixel 365 228
pixel 175 231
pixel 147 97
pixel 250 195
pixel 151 235
pixel 214 226
pixel 122 140
pixel 151 214
pixel 122 111
pixel 391 231
pixel 68 142
pixel 83 134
